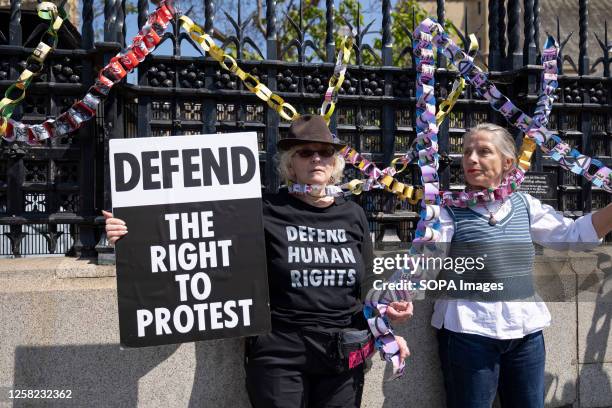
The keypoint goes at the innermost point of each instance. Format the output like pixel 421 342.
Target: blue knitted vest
pixel 506 248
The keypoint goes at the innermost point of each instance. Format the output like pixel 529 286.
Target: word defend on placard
pixel 193 264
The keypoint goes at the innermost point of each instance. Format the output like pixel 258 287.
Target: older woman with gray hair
pixel 492 342
pixel 319 254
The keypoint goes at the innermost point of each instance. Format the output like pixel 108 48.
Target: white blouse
pixel 511 320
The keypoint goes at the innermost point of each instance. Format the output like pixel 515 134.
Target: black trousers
pixel 286 369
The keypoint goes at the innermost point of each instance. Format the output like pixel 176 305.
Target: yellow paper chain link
pixel 447 104
pixel 458 85
pixel 414 193
pixel 403 191
pixel 336 80
pixel 526 152
pixel 227 62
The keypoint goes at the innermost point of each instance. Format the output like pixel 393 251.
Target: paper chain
pixel 16 93
pixel 336 80
pixel 590 168
pixel 119 66
pixel 227 62
pixel 570 159
pixel 427 227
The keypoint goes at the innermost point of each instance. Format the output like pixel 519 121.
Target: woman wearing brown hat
pixel 319 255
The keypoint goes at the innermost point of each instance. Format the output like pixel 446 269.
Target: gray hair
pixel 500 137
pixel 283 161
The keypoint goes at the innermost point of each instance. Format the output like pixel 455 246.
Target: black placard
pixel 192 266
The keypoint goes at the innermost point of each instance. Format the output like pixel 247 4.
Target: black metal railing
pixel 51 196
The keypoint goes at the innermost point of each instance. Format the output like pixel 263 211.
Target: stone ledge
pixel 59 267
pixel 54 274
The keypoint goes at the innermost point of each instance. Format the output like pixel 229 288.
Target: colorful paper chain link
pixel 512 181
pixel 119 66
pixel 427 137
pixel 570 159
pixel 405 192
pixel 384 179
pixel 414 193
pixel 375 313
pixel 296 188
pixel 548 81
pixel 16 93
pixel 428 225
pixel 378 179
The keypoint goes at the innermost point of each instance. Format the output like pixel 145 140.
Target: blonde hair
pixel 500 137
pixel 283 165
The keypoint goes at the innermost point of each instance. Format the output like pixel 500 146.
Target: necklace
pixel 492 219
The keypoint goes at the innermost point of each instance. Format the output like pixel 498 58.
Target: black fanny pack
pixel 345 348
pixel 357 346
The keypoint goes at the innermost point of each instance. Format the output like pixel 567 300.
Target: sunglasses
pixel 324 152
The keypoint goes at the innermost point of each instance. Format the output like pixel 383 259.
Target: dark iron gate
pixel 51 196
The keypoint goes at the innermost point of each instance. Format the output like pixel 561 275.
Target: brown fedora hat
pixel 309 129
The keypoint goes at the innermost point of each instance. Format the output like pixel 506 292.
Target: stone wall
pixel 59 330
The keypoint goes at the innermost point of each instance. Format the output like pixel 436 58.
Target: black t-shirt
pixel 318 259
